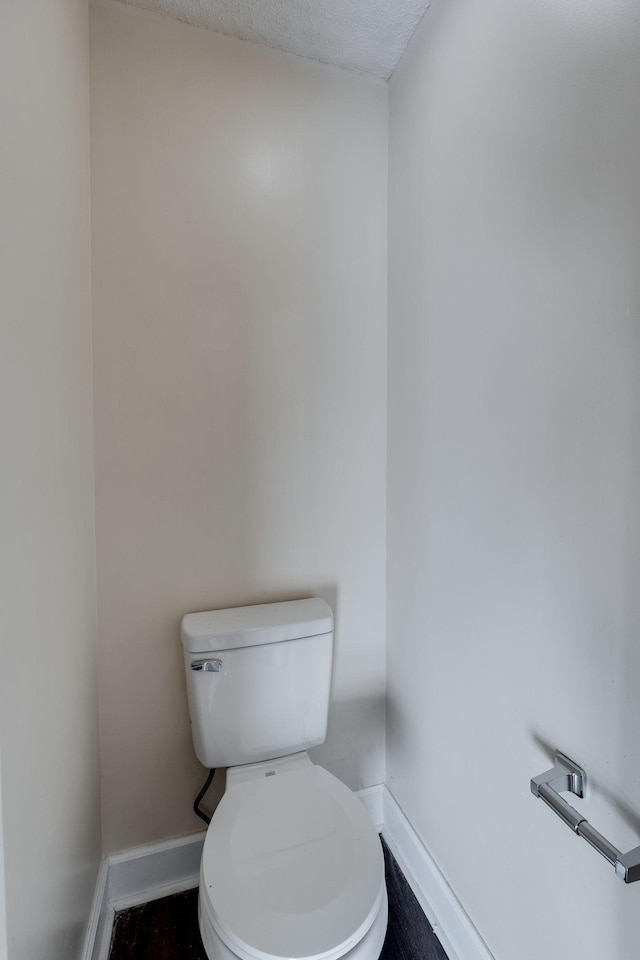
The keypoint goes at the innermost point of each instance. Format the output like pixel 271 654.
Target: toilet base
pixel 369 948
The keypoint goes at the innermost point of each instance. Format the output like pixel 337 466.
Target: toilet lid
pixel 292 867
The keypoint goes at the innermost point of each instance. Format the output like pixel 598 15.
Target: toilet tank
pixel 258 680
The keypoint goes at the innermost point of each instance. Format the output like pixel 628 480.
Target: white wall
pixel 514 458
pixel 239 230
pixel 48 690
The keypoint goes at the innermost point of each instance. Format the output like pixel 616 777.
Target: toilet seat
pixel 292 865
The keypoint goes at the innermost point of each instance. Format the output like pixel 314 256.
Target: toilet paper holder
pixel 568 776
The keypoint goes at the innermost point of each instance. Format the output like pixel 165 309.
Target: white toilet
pixel 292 867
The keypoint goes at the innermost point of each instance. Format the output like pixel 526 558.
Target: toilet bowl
pixel 292 867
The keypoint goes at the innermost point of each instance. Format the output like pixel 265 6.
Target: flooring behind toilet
pixel 167 929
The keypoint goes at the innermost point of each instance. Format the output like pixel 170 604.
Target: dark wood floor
pixel 168 929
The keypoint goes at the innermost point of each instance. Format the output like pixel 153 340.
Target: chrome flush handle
pixel 207 666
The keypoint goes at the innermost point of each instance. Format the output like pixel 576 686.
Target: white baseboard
pixel 159 869
pixel 99 917
pixel 445 913
pixel 137 876
pixel 154 870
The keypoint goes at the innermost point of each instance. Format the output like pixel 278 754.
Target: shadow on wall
pixel 361 717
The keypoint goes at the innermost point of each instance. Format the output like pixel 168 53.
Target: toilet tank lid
pixel 249 626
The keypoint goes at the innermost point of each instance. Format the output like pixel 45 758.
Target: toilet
pixel 292 866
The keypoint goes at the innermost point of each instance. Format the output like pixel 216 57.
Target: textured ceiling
pixel 364 35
